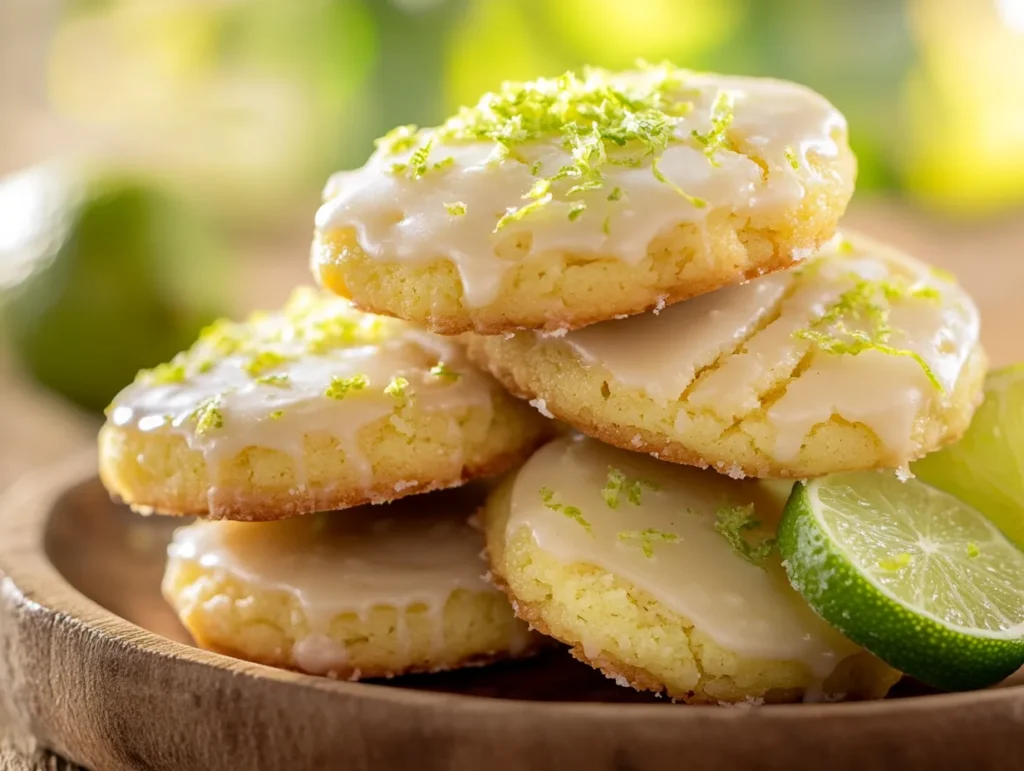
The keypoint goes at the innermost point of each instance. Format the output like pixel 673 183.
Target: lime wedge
pixel 986 467
pixel 910 573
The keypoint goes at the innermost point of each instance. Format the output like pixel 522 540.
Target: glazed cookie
pixel 861 358
pixel 361 594
pixel 665 578
pixel 313 408
pixel 561 202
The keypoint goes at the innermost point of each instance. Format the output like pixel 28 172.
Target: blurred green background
pixel 201 131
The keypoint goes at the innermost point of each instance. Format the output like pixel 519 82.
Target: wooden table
pixel 38 430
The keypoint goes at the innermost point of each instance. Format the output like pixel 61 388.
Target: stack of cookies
pixel 648 257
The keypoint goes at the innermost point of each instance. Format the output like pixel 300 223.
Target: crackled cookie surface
pixel 366 593
pixel 665 578
pixel 561 202
pixel 312 408
pixel 861 358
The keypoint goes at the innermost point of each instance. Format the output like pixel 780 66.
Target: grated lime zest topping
pixel 576 210
pixel 648 538
pixel 733 522
pixel 397 388
pixel 341 387
pixel 277 381
pixel 867 302
pixel 617 483
pixel 263 361
pixel 441 370
pixel 716 137
pixel 418 159
pixel 700 203
pixel 276 414
pixel 598 117
pixel 547 496
pixel 514 215
pixel 973 550
pixel 794 162
pixel 168 373
pixel 207 416
pixel 399 139
pixel 845 246
pixel 456 209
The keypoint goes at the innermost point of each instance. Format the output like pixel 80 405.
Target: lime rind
pixel 870 604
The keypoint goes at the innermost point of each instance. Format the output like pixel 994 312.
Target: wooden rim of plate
pixel 111 695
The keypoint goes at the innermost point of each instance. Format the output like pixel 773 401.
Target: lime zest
pixel 617 482
pixel 277 381
pixel 733 522
pixel 397 388
pixel 456 209
pixel 794 162
pixel 973 550
pixel 868 301
pixel 589 114
pixel 207 416
pixel 398 140
pixel 860 342
pixel 418 160
pixel 443 164
pixel 516 214
pixel 576 210
pixel 615 194
pixel 276 414
pixel 341 387
pixel 614 484
pixel 648 538
pixel 547 496
pixel 845 246
pixel 699 203
pixel 716 138
pixel 441 370
pixel 263 361
pixel 169 373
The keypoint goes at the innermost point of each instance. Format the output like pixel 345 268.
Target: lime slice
pixel 986 467
pixel 910 573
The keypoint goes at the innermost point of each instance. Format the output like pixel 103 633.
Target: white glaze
pixel 660 355
pixel 405 555
pixel 745 608
pixel 381 350
pixel 397 218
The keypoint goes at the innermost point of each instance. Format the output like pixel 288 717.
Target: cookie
pixel 360 594
pixel 665 578
pixel 313 408
pixel 561 202
pixel 861 358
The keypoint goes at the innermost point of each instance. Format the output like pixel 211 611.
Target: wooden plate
pixel 99 670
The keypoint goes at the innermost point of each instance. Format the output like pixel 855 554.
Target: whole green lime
pixel 102 275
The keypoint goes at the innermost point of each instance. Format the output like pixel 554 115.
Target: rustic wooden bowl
pixel 99 670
